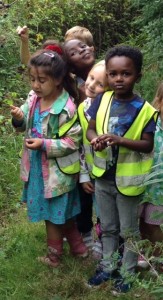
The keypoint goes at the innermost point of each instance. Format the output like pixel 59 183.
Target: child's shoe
pixel 101 277
pixel 77 246
pixel 55 250
pixel 88 240
pixel 121 285
pixel 97 250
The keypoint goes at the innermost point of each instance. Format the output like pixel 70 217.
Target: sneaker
pixel 88 240
pixel 101 277
pixel 97 250
pixel 121 286
pixel 142 263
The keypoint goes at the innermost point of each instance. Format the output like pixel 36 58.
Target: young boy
pixel 121 131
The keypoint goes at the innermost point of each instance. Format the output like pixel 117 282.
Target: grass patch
pixel 22 277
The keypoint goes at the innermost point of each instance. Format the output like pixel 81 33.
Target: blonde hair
pixel 98 64
pixel 158 97
pixel 79 33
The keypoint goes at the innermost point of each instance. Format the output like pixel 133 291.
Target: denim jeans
pixel 119 217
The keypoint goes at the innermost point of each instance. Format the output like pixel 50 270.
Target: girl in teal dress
pixel 50 157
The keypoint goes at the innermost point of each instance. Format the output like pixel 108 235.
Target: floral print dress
pixel 57 209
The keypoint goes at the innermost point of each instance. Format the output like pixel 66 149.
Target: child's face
pixel 43 85
pixel 122 76
pixel 96 81
pixel 79 54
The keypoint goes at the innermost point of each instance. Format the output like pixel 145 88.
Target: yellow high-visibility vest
pixel 131 166
pixel 68 164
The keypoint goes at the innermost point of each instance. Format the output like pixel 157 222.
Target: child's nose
pixel 81 50
pixel 119 77
pixel 36 84
pixel 92 84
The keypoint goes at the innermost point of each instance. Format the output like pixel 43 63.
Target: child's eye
pixel 101 85
pixel 111 74
pixel 73 53
pixel 83 46
pixel 126 74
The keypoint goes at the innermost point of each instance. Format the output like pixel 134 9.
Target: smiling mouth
pixel 87 55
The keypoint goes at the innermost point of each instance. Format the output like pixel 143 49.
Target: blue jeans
pixel 119 216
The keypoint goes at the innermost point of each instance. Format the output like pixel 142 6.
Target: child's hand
pixel 88 187
pixel 98 145
pixel 16 113
pixel 23 33
pixel 33 144
pixel 109 140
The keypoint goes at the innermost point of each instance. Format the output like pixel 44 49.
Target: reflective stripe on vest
pixel 132 166
pixel 68 164
pixel 86 143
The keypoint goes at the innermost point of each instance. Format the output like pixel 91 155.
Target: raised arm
pixel 24 46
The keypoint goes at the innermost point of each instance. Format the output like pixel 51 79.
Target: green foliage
pixel 149 27
pixel 9 161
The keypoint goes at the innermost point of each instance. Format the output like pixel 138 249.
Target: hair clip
pixel 54 48
pixel 52 55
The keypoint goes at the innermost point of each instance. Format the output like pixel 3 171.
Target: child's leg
pixel 54 243
pixel 105 193
pixel 129 229
pixel 84 219
pixel 74 238
pixel 106 202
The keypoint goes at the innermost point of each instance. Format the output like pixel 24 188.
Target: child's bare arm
pixel 91 131
pixel 24 47
pixel 145 145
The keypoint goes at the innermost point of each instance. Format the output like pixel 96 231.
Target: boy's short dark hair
pixel 128 51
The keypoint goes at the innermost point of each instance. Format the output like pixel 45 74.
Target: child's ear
pixel 139 76
pixel 92 48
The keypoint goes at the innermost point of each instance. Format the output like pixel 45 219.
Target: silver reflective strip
pixel 126 181
pixel 132 157
pixel 100 162
pixel 68 160
pixel 88 149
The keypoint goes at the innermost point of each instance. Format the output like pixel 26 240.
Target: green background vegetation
pixel 112 22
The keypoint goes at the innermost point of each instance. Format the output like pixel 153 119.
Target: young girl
pixel 81 59
pixel 121 132
pixel 50 158
pixel 95 84
pixel 150 225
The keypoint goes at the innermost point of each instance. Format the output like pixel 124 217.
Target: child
pixel 50 156
pixel 81 59
pixel 150 225
pixel 96 83
pixel 76 32
pixel 81 33
pixel 82 65
pixel 121 131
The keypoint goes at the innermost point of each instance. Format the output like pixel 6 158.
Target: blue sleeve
pixel 150 127
pixel 92 111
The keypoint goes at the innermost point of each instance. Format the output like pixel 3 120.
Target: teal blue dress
pixel 57 209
